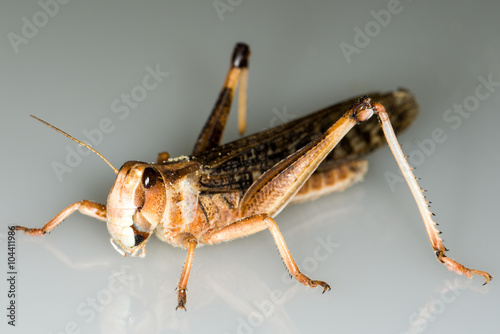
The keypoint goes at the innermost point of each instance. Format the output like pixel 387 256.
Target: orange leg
pixel 254 224
pixel 88 208
pixel 181 287
pixel 423 206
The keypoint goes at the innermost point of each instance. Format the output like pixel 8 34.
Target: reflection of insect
pixel 226 192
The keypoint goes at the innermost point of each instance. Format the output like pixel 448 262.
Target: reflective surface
pixel 99 72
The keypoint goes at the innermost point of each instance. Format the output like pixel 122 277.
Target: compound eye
pixel 149 177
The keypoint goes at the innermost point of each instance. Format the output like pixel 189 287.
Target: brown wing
pixel 236 165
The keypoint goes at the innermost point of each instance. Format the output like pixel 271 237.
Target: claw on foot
pixel 325 286
pixel 309 282
pixel 181 299
pixel 460 269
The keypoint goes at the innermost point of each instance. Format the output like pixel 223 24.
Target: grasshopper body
pixel 223 192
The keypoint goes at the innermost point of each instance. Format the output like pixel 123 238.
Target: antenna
pixel 79 142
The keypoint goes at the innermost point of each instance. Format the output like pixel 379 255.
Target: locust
pixel 224 192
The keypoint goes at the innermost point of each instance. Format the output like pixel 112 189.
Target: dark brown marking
pixel 231 206
pixel 240 55
pixel 204 211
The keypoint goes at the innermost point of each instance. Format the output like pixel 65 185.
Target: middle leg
pixel 254 224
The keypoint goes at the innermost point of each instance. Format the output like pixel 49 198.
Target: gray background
pixel 384 275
